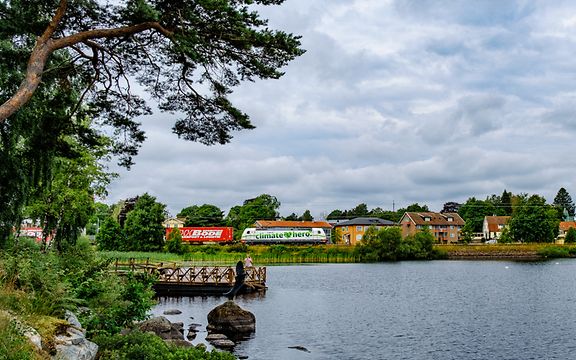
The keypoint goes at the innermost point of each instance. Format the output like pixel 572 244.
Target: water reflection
pixel 409 310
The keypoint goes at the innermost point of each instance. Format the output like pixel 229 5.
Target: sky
pixel 395 102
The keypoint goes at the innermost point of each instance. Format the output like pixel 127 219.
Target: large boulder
pixel 232 320
pixel 163 328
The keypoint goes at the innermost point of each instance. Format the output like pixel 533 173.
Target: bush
pixel 146 346
pixel 570 236
pixel 237 247
pixel 174 242
pixel 117 304
pixel 46 284
pixel 554 252
pixel 386 244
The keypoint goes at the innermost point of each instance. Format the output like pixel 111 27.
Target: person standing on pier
pixel 248 261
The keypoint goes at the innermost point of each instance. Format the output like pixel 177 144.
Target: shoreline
pixel 523 252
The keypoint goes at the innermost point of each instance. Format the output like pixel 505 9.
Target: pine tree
pixel 564 201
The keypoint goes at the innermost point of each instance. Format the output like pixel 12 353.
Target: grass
pixel 261 255
pixel 536 250
pixel 292 254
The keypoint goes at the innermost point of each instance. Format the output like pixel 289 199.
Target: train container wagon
pixel 204 235
pixel 284 236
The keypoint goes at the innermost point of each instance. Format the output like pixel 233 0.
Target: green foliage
pixel 533 220
pixel 473 212
pixel 554 252
pixel 110 235
pixel 204 215
pixel 563 201
pixel 336 236
pixel 146 346
pixel 263 207
pixel 380 244
pixel 174 242
pixel 466 234
pixel 14 345
pixel 211 46
pixel 237 247
pixel 419 246
pixel 46 284
pixel 306 216
pixel 505 237
pixel 386 244
pixel 570 236
pixel 101 212
pixel 143 227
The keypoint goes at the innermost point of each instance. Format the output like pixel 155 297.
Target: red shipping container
pixel 205 234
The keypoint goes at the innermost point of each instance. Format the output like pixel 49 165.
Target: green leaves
pixel 138 11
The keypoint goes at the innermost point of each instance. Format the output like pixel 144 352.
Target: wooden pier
pixel 179 279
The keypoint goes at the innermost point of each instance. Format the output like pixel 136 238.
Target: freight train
pixel 284 236
pixel 205 235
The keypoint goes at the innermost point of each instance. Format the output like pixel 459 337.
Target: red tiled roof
pixel 495 221
pixel 418 218
pixel 292 224
pixel 565 225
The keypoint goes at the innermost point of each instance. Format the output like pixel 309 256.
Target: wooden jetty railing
pixel 182 278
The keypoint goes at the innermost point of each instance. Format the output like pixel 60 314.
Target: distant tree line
pixel 532 219
pixel 136 223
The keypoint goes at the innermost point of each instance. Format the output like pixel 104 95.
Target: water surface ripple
pixel 407 310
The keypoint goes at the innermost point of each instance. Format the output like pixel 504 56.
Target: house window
pixel 451 235
pixel 426 218
pixel 345 228
pixel 450 219
pixel 358 237
pixel 358 228
pixel 451 227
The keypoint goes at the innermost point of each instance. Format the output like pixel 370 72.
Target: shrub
pixel 237 247
pixel 570 236
pixel 554 252
pixel 146 346
pixel 174 242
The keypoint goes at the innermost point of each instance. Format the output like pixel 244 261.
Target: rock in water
pixel 232 320
pixel 172 312
pixel 163 328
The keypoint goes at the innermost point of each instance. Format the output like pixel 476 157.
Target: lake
pixel 406 310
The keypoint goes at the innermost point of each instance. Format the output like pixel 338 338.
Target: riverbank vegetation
pixel 36 288
pixel 415 248
pixel 230 254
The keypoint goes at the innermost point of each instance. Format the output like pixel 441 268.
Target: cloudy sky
pixel 395 101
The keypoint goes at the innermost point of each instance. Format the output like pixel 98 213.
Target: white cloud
pixel 423 101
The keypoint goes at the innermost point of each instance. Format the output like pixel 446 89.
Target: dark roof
pixel 419 218
pixel 292 224
pixel 366 221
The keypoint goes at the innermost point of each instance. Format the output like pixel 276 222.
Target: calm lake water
pixel 406 310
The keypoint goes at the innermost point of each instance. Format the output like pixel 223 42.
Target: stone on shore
pixel 231 319
pixel 163 328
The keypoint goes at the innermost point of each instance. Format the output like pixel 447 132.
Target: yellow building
pixel 350 232
pixel 173 223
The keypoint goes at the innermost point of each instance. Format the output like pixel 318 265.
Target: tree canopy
pixel 563 201
pixel 263 207
pixel 143 227
pixel 188 55
pixel 68 70
pixel 204 215
pixel 533 220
